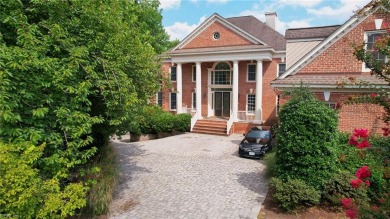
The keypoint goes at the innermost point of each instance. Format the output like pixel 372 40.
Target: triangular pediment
pixel 217 32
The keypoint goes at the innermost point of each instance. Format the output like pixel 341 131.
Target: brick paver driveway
pixel 187 176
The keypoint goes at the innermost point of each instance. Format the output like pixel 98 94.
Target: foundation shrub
pixel 182 122
pixel 294 193
pixel 339 187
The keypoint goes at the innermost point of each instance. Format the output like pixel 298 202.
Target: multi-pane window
pixel 173 73
pixel 331 105
pixel 159 98
pixel 251 103
pixel 371 38
pixel 172 100
pixel 281 68
pixel 251 72
pixel 222 74
pixel 194 73
pixel 194 100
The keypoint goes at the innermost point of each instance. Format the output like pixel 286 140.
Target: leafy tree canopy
pixel 72 73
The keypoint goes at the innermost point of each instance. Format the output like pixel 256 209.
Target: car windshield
pixel 259 134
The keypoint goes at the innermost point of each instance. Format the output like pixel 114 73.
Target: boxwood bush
pixel 306 139
pixel 182 122
pixel 294 193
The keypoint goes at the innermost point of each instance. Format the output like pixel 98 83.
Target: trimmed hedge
pixel 306 139
pixel 152 120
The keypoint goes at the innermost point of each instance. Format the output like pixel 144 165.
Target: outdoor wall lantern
pixel 326 95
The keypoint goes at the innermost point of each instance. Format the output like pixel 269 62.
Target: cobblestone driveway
pixel 187 176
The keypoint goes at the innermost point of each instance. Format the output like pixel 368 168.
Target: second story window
pixel 173 73
pixel 251 74
pixel 281 68
pixel 370 46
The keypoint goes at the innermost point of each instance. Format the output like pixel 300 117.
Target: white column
pixel 235 91
pixel 259 92
pixel 198 91
pixel 179 87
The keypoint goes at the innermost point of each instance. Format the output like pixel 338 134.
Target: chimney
pixel 270 19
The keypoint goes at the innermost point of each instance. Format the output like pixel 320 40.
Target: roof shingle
pixel 310 32
pixel 260 30
pixel 328 80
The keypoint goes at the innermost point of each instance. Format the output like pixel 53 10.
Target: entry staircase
pixel 210 126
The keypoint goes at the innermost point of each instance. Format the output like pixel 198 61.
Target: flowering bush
pixel 375 207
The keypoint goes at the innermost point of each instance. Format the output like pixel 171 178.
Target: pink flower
pixel 347 203
pixel 373 95
pixel 350 213
pixel 353 140
pixel 386 131
pixel 355 183
pixel 363 144
pixel 362 133
pixel 363 172
pixel 367 183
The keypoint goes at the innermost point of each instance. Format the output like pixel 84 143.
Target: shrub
pixel 162 122
pixel 306 140
pixel 26 193
pixel 339 187
pixel 182 122
pixel 270 162
pixel 294 193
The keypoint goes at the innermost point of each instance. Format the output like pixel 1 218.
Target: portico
pixel 220 89
pixel 223 70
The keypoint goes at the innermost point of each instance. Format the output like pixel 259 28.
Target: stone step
pixel 213 127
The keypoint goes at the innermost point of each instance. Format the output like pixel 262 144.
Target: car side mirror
pixel 243 134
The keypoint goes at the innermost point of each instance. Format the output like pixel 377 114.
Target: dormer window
pixel 216 35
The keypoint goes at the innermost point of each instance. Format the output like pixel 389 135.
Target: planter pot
pixel 164 134
pixel 142 137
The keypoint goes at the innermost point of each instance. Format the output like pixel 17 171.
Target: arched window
pixel 222 74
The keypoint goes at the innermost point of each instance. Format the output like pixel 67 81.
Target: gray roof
pixel 310 32
pixel 260 30
pixel 328 79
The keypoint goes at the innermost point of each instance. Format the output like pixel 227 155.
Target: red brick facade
pixel 269 95
pixel 227 38
pixel 339 57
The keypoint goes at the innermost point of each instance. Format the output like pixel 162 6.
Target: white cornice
pixel 223 56
pixel 305 40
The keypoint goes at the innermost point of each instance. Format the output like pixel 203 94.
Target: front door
pixel 222 104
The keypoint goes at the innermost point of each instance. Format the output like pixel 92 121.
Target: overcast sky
pixel 180 17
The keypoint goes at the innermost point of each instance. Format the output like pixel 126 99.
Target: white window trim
pixel 192 100
pixel 364 69
pixel 247 72
pixel 157 98
pixel 329 103
pixel 170 102
pixel 170 72
pixel 277 69
pixel 192 70
pixel 246 110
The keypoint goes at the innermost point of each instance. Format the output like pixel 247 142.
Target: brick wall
pixel 339 57
pixel 351 116
pixel 227 38
pixel 269 96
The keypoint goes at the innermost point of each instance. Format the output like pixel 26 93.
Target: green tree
pixel 306 140
pixel 72 73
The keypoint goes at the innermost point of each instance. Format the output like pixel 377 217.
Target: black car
pixel 256 143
